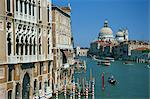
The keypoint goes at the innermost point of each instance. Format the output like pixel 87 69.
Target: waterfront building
pixel 141 54
pixel 101 48
pixel 81 51
pixel 62 47
pixel 123 49
pixel 26 57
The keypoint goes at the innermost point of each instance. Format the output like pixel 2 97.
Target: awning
pixel 27 65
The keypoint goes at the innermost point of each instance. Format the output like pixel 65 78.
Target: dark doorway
pixel 26 87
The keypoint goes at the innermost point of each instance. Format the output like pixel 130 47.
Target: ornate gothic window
pixel 9 44
pixel 30 46
pixel 34 45
pixel 17 45
pixel 9 94
pixel 29 7
pixel 39 10
pixel 48 13
pixel 25 7
pixel 33 8
pixel 17 93
pixel 26 46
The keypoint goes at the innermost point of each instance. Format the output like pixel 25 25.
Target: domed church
pixel 106 33
pixel 122 35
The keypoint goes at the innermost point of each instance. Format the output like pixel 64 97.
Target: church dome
pixel 106 31
pixel 119 34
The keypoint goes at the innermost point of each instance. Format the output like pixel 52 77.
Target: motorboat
pixel 104 62
pixel 110 59
pixel 112 80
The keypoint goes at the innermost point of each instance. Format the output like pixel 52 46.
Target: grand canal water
pixel 133 80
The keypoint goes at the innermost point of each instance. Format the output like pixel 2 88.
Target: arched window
pixel 8 5
pixel 26 45
pixel 39 45
pixel 48 82
pixel 16 5
pixel 33 7
pixel 34 45
pixel 9 44
pixel 40 85
pixel 9 96
pixel 30 46
pixel 48 46
pixel 25 7
pixel 48 13
pixel 17 45
pixel 21 9
pixel 29 7
pixel 22 45
pixel 17 93
pixel 35 84
pixel 39 10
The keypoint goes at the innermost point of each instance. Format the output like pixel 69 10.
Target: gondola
pixel 112 80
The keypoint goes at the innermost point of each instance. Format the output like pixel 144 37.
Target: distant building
pixel 141 54
pixel 101 48
pixel 81 51
pixel 124 49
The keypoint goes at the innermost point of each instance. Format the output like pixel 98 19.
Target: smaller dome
pixel 119 34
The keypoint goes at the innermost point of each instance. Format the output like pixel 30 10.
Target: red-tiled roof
pixel 141 48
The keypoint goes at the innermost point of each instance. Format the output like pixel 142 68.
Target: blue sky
pixel 88 17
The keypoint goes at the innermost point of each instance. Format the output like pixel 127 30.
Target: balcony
pixel 28 58
pixel 50 56
pixel 41 57
pixel 21 59
pixel 13 59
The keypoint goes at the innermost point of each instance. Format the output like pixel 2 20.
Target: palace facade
pixel 26 58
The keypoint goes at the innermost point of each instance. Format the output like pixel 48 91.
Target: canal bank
pixel 132 80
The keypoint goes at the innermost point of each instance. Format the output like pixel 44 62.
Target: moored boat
pixel 104 62
pixel 109 58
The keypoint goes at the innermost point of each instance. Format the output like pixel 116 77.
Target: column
pixel 27 9
pixel 32 12
pixel 24 49
pixel 28 49
pixel 18 7
pixel 35 12
pixel 12 45
pixel 32 47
